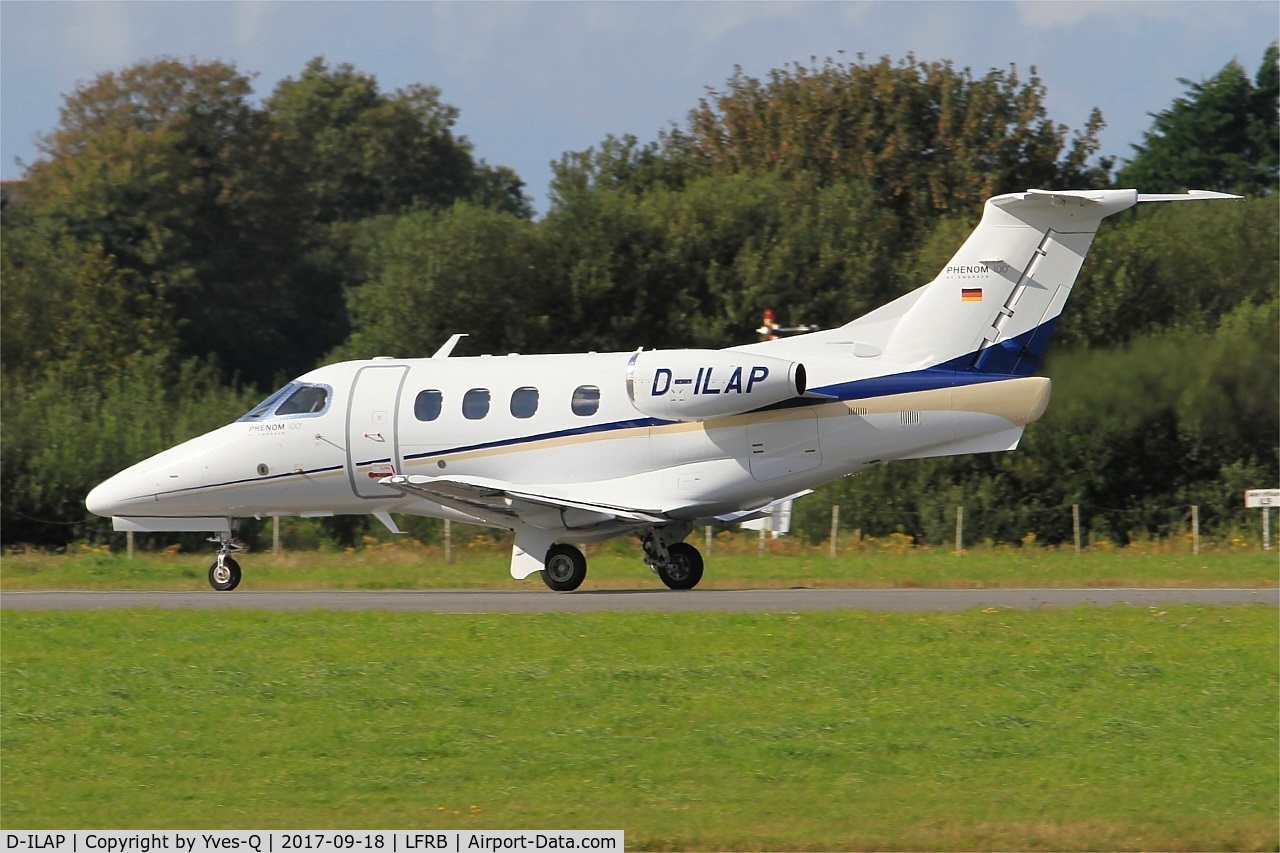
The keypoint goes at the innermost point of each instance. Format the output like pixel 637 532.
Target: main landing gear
pixel 678 563
pixel 224 574
pixel 566 568
pixel 683 567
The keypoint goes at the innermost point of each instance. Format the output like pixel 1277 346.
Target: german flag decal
pixel 971 294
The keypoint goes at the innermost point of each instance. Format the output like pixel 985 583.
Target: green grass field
pixel 1117 728
pixel 732 563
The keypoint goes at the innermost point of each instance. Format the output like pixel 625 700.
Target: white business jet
pixel 578 448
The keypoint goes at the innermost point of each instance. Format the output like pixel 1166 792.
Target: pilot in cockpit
pixel 305 400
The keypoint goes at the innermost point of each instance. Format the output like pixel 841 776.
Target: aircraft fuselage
pixel 516 419
pixel 581 447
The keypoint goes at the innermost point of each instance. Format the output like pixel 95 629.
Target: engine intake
pixel 694 385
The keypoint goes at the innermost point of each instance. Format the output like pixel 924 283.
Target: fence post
pixel 1195 530
pixel 1075 525
pixel 448 542
pixel 275 536
pixel 128 539
pixel 835 527
pixel 707 547
pixel 959 530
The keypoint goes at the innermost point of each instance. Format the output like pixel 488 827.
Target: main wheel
pixel 684 569
pixel 566 568
pixel 224 574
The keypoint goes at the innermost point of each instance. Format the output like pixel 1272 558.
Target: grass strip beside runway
pixel 618 565
pixel 1117 728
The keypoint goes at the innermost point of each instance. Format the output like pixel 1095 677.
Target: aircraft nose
pixel 113 497
pixel 162 484
pixel 102 499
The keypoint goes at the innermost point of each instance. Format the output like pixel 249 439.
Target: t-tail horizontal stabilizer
pixel 993 307
pixel 1190 195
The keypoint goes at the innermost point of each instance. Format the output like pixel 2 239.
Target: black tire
pixel 684 569
pixel 224 577
pixel 566 568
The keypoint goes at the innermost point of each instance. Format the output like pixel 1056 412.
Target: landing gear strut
pixel 678 563
pixel 224 574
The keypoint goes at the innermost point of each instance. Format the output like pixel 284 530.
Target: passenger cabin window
pixel 475 404
pixel 586 400
pixel 428 405
pixel 524 402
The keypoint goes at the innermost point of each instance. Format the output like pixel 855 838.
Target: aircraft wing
pixel 505 504
pixel 762 512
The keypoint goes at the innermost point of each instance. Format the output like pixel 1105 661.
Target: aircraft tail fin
pixel 994 306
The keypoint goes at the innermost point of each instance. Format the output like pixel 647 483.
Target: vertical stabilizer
pixel 994 306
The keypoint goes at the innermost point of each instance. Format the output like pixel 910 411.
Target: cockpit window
pixel 292 399
pixel 268 405
pixel 307 400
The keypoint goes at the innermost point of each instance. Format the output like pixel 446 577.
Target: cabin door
pixel 373 450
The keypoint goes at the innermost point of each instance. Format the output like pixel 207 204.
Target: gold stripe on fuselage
pixel 1019 401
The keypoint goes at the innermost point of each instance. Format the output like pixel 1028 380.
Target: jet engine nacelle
pixel 693 385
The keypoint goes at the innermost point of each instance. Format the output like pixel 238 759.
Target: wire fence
pixel 830 529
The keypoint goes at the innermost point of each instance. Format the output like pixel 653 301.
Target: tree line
pixel 178 249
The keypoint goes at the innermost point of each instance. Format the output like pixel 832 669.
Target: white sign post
pixel 1266 499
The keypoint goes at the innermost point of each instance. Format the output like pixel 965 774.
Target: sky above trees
pixel 534 80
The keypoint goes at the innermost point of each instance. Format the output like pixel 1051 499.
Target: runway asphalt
pixel 540 601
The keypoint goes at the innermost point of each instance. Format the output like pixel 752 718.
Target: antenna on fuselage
pixel 447 347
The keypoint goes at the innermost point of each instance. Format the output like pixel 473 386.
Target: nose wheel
pixel 224 574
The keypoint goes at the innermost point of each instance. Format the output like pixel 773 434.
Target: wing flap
pixel 505 503
pixel 760 512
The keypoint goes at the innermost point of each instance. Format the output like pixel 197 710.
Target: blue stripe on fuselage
pixel 612 426
pixel 1009 359
pixel 1020 355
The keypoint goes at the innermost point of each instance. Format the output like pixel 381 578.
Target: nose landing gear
pixel 224 574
